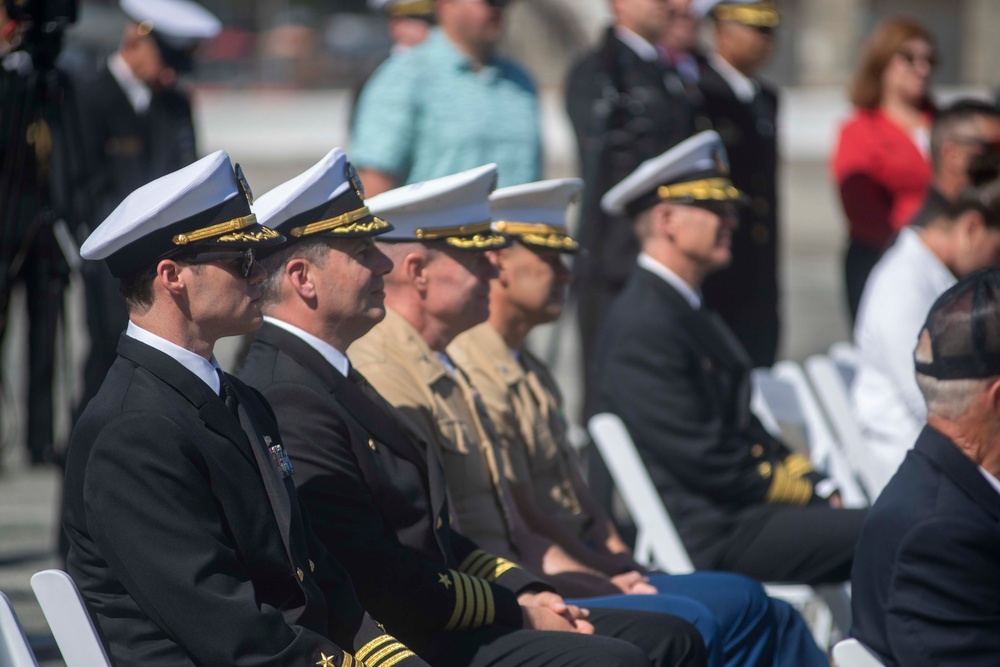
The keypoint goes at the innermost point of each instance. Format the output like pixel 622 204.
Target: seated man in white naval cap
pixel 136 125
pixel 186 536
pixel 438 288
pixel 374 494
pixel 525 406
pixel 680 380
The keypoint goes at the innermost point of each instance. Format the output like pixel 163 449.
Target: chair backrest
pixel 657 542
pixel 827 376
pixel 69 619
pixel 14 648
pixel 852 653
pixel 826 451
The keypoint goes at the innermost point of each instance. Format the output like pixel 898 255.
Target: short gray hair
pixel 313 250
pixel 948 399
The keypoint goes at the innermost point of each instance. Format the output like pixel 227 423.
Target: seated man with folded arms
pixel 924 261
pixel 186 536
pixel 680 380
pixel 526 409
pixel 375 493
pixel 926 579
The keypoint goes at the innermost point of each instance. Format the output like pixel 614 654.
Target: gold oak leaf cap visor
pixel 453 209
pixel 695 171
pixel 205 205
pixel 535 213
pixel 327 199
pixel 748 12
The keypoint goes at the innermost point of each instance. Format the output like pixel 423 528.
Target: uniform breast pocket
pixel 465 468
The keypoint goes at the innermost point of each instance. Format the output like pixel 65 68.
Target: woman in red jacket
pixel 882 162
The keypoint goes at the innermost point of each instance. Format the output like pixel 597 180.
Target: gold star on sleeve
pixel 444 580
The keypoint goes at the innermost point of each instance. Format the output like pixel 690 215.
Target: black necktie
pixel 227 394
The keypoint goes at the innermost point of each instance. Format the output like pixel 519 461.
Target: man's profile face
pixel 147 63
pixel 980 135
pixel 349 284
pixel 534 280
pixel 704 233
pixel 220 301
pixel 748 46
pixel 458 286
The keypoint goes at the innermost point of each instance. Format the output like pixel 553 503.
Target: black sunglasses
pixel 499 4
pixel 246 258
pixel 913 58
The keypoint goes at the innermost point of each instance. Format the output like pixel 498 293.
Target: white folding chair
pixel 828 377
pixel 657 541
pixel 825 449
pixel 14 648
pixel 852 653
pixel 69 619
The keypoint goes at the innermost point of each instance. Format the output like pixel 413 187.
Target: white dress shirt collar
pixel 994 482
pixel 204 369
pixel 743 87
pixel 642 48
pixel 139 94
pixel 335 357
pixel 689 293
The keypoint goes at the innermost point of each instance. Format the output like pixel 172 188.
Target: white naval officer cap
pixel 204 206
pixel 176 25
pixel 748 12
pixel 328 199
pixel 418 8
pixel 694 171
pixel 535 213
pixel 454 209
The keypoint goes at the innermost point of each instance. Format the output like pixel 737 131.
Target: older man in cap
pixel 438 288
pixel 680 380
pixel 374 493
pixel 525 407
pixel 186 536
pixel 136 126
pixel 926 582
pixel 743 110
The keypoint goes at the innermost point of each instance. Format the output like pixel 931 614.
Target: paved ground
pixel 813 316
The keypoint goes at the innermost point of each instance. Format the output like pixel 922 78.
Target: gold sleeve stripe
pixel 376 659
pixel 363 652
pixel 797 465
pixel 786 488
pixel 486 566
pixel 347 661
pixel 490 607
pixel 459 601
pixel 483 598
pixel 470 602
pixel 474 561
pixel 399 657
pixel 474 603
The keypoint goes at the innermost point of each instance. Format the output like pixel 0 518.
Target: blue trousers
pixel 741 626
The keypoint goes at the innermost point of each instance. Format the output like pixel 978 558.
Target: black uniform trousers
pixel 377 500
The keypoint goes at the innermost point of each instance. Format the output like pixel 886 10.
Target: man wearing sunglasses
pixel 743 110
pixel 680 380
pixel 448 105
pixel 186 536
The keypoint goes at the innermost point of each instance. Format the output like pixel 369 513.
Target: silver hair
pixel 948 399
pixel 314 251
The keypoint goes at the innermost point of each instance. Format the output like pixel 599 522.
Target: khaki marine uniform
pixel 525 407
pixel 438 406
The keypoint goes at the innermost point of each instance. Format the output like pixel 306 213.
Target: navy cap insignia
pixel 355 181
pixel 241 181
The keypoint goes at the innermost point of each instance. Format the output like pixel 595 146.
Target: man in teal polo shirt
pixel 449 105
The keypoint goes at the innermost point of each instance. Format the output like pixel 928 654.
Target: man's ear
pixel 499 260
pixel 663 220
pixel 414 265
pixel 171 277
pixel 299 275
